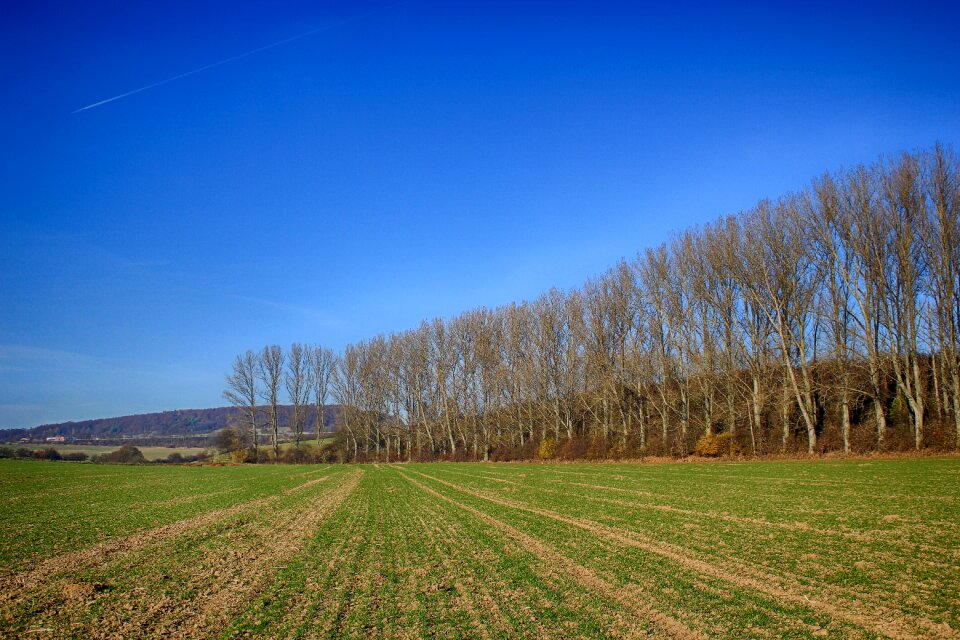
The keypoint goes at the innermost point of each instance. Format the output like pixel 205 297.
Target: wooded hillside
pixel 147 427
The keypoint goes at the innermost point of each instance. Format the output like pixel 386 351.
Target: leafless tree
pixel 298 380
pixel 901 280
pixel 322 364
pixel 941 244
pixel 270 372
pixel 835 260
pixel 242 392
pixel 346 390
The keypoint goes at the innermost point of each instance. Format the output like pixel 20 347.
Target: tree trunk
pixel 785 418
pixel 253 425
pixel 643 427
pixel 755 422
pixel 708 412
pixel 917 405
pixel 684 419
pixel 845 420
pixel 731 409
pixel 956 406
pixel 936 386
pixel 879 414
pixel 276 433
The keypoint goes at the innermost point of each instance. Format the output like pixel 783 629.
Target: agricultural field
pixel 150 453
pixel 842 549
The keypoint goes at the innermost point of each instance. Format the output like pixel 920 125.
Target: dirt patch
pixel 305 485
pixel 483 475
pixel 73 591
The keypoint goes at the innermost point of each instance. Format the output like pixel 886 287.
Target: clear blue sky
pixel 417 162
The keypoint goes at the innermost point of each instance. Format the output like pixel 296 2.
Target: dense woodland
pixel 826 320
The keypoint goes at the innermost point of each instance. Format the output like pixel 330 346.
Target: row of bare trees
pixel 827 319
pixel 269 385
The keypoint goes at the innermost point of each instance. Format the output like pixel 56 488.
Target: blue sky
pixel 416 162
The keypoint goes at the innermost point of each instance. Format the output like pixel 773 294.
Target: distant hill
pixel 152 428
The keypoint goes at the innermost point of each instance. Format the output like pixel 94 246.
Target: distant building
pixel 57 439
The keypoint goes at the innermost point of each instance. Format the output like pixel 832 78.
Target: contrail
pixel 243 55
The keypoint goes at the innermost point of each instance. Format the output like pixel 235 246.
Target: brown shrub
pixel 127 454
pixel 47 454
pixel 548 449
pixel 712 445
pixel 573 449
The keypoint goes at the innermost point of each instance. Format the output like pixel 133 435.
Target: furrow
pixel 229 575
pixel 13 586
pixel 670 626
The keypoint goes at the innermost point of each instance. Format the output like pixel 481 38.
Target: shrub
pixel 331 451
pixel 229 439
pixel 127 454
pixel 599 448
pixel 23 452
pixel 548 449
pixel 7 452
pixel 295 455
pixel 899 412
pixel 572 449
pixel 76 456
pixel 712 445
pixel 47 454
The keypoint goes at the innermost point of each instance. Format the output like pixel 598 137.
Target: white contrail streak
pixel 242 55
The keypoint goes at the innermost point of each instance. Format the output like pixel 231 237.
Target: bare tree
pixel 722 293
pixel 298 381
pixel 270 372
pixel 860 230
pixel 823 209
pixel 941 242
pixel 783 283
pixel 901 278
pixel 346 391
pixel 322 363
pixel 443 358
pixel 242 392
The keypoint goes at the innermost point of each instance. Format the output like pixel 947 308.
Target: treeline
pixel 824 320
